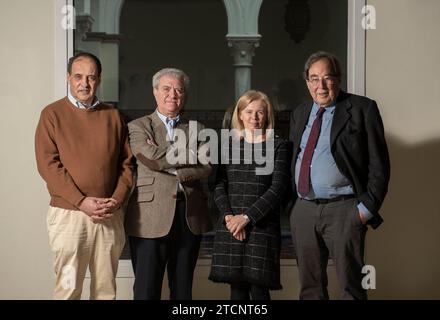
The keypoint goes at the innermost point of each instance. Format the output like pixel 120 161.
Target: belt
pixel 325 201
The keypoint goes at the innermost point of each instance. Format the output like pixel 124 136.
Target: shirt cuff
pixel 364 211
pixel 171 171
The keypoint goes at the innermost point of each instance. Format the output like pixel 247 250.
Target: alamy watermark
pixel 68 22
pixel 369 19
pixel 68 279
pixel 205 147
pixel 369 280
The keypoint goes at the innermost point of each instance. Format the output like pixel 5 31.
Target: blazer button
pixel 174 196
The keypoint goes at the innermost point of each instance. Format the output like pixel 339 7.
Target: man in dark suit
pixel 341 171
pixel 168 210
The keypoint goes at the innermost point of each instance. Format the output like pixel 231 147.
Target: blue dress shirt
pixel 170 124
pixel 327 181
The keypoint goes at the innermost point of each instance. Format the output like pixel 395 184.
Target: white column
pixel 242 38
pixel 243 49
pixel 109 14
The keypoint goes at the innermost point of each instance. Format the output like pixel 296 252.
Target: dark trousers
pixel 177 252
pixel 322 229
pixel 244 291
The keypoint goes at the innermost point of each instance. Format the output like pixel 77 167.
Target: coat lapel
pixel 160 132
pixel 341 116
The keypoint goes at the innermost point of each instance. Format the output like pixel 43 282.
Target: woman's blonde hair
pixel 244 101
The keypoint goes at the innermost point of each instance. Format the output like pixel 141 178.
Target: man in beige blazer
pixel 167 212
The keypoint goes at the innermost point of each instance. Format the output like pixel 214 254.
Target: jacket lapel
pixel 341 116
pixel 160 132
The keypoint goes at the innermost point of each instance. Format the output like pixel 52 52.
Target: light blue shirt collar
pixel 167 121
pixel 329 109
pixel 170 124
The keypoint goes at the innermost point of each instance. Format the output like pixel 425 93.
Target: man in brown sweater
pixel 82 152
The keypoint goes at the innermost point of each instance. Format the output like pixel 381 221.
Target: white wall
pixel 403 76
pixel 26 86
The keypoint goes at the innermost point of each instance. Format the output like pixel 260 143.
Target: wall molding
pixel 63 47
pixel 356 46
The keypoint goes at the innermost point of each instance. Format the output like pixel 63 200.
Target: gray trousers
pixel 322 229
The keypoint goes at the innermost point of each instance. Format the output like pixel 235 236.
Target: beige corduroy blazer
pixel 151 207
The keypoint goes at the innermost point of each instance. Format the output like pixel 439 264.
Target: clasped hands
pixel 235 225
pixel 99 209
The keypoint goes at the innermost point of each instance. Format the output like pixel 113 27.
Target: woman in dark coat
pixel 249 190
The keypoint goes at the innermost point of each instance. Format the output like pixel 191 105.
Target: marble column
pixel 243 39
pixel 243 50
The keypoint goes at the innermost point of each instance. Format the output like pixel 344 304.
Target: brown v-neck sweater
pixel 83 153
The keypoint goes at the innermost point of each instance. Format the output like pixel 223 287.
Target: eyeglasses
pixel 329 80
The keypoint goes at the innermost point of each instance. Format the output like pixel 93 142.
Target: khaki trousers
pixel 77 243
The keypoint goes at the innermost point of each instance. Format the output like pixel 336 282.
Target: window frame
pixel 355 48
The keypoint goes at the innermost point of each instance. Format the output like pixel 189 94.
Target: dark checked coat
pixel 239 190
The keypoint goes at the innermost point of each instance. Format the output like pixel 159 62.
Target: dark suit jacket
pixel 358 146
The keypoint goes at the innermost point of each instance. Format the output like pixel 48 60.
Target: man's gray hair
pixel 335 64
pixel 173 72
